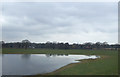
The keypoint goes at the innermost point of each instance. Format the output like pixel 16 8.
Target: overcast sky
pixel 61 22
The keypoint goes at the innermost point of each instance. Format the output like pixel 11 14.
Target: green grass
pixel 57 51
pixel 107 65
pixel 97 67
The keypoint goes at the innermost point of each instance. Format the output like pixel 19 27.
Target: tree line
pixel 55 45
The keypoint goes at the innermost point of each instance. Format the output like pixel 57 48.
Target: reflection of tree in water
pixel 26 56
pixel 53 55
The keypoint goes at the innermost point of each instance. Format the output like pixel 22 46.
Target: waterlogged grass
pixel 106 65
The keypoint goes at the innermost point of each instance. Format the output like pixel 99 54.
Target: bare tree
pixel 25 43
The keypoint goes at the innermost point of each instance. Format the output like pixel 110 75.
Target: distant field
pixel 106 65
pixel 57 51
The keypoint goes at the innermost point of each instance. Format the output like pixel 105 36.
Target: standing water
pixel 31 64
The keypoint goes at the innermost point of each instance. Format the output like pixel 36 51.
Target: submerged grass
pixel 106 65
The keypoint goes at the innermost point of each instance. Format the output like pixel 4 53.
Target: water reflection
pixel 25 56
pixel 30 64
pixel 54 55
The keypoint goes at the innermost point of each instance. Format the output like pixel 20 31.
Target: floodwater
pixel 32 64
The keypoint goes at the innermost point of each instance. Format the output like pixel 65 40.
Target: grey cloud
pixel 51 20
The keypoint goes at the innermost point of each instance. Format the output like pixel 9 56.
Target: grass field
pixel 106 65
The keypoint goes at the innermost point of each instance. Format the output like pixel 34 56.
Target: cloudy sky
pixel 62 22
